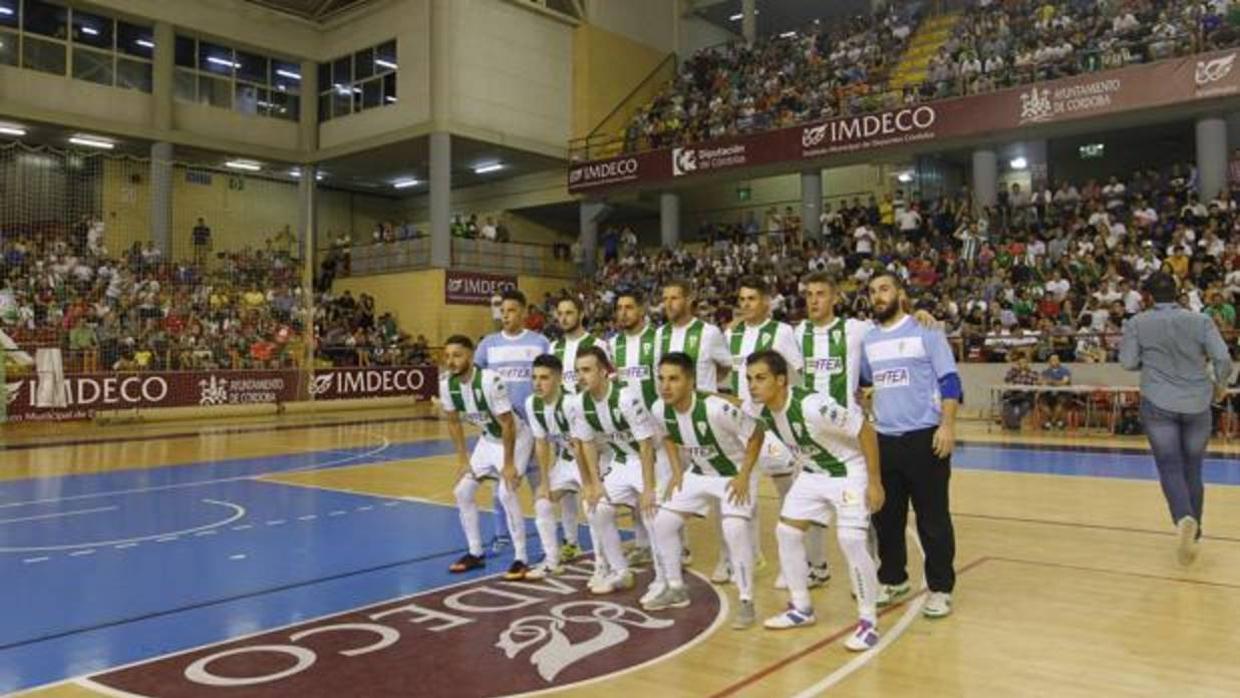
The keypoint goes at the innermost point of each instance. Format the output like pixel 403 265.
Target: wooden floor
pixel 1067 585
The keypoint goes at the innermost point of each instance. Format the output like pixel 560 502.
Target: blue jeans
pixel 1178 441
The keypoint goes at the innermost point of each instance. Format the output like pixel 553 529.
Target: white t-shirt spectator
pixel 1144 267
pixel 865 239
pixel 908 220
pixel 1114 195
pixel 1145 217
pixel 488 232
pixel 1132 302
pixel 1058 289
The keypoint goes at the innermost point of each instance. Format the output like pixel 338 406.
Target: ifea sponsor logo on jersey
pixel 483 638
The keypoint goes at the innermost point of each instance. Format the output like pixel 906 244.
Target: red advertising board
pixel 471 288
pixel 1093 95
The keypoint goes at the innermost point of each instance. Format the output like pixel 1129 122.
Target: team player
pixel 704 343
pixel 711 435
pixel 502 452
pixel 757 331
pixel 611 414
pixel 634 347
pixel 837 451
pixel 511 353
pixel 550 410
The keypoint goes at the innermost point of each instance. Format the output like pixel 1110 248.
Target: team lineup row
pixel 636 423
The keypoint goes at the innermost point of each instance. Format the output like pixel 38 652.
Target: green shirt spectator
pixel 82 337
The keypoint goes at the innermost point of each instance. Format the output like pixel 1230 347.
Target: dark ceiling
pixel 314 10
pixel 778 16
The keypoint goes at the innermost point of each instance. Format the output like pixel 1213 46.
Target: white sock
pixel 516 520
pixel 716 522
pixel 667 528
pixel 816 545
pixel 641 535
pixel 467 507
pixel 600 560
pixel 660 575
pixel 794 564
pixel 569 515
pixel 609 536
pixel 544 521
pixel 736 533
pixel 862 571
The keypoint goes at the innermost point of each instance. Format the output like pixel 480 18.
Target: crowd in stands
pixel 240 309
pixel 843 68
pixel 1053 272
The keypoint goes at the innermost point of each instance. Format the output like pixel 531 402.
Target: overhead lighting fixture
pixel 385 64
pixel 247 165
pixel 787 35
pixel 295 173
pixel 288 74
pixel 145 43
pixel 1019 163
pixel 6 11
pixel 405 183
pixel 90 31
pixel 391 99
pixel 92 142
pixel 223 61
pixel 12 130
pixel 741 15
pixel 488 167
pixel 904 177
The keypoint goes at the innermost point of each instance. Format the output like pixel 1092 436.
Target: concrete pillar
pixel 440 179
pixel 811 203
pixel 749 20
pixel 161 197
pixel 441 64
pixel 591 213
pixel 1211 156
pixel 162 76
pixel 985 177
pixel 308 118
pixel 669 219
pixel 307 211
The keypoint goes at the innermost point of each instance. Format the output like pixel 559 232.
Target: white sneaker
pixel 938 605
pixel 598 579
pixel 864 637
pixel 891 593
pixel 819 576
pixel 790 618
pixel 669 597
pixel 722 573
pixel 780 582
pixel 543 570
pixel 652 592
pixel 1187 552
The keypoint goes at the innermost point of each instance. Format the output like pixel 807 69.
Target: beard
pixel 569 330
pixel 887 312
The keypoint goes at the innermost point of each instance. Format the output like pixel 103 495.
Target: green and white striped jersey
pixel 551 421
pixel 634 358
pixel 745 340
pixel 480 399
pixel 712 435
pixel 620 419
pixel 833 357
pixel 820 432
pixel 565 350
pixel 701 341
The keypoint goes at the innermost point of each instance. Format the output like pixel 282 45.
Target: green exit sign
pixel 743 193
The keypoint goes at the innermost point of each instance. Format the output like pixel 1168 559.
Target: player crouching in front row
pixel 837 451
pixel 501 454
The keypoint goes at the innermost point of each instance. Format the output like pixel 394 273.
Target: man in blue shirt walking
pixel 511 353
pixel 1170 345
pixel 916 393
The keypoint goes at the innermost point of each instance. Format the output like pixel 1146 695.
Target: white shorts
pixel 488 456
pixel 623 484
pixel 815 496
pixel 564 476
pixel 695 496
pixel 776 459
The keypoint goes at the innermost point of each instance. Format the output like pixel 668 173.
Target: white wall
pixel 651 22
pixel 234 21
pixel 697 33
pixel 511 72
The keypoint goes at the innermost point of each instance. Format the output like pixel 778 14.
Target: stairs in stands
pixel 923 45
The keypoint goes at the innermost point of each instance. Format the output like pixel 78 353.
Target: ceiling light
pixel 246 165
pixel 288 74
pixel 6 11
pixel 405 183
pixel 222 61
pixel 1019 163
pixel 92 142
pixel 385 64
pixel 740 15
pixel 488 167
pixel 904 177
pixel 295 173
pixel 390 98
pixel 12 130
pixel 90 31
pixel 788 35
pixel 145 43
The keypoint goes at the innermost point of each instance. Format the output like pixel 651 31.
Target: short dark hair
pixel 1162 287
pixel 754 282
pixel 634 293
pixel 819 277
pixel 682 361
pixel 513 294
pixel 460 340
pixel 773 360
pixel 571 299
pixel 550 361
pixel 598 354
pixel 681 284
pixel 887 273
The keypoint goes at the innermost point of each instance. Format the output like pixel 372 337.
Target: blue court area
pixel 104 570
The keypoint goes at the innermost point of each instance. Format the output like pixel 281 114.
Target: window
pixel 250 83
pixel 364 80
pixel 74 43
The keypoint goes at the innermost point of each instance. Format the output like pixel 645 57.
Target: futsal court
pixel 131 555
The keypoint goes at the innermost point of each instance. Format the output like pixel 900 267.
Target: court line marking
pixel 386 443
pixel 35 560
pixel 77 512
pixel 1120 573
pixel 237 509
pixel 79 553
pixel 1098 527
